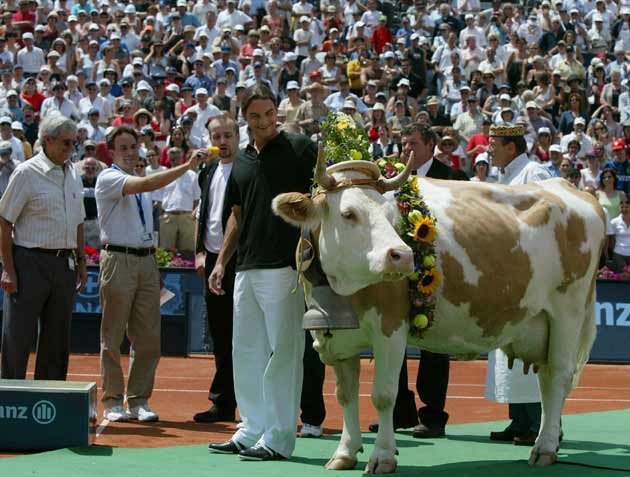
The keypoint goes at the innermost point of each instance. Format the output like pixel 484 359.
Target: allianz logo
pixel 42 412
pixel 612 314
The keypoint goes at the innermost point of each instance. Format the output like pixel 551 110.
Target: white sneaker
pixel 115 414
pixel 143 413
pixel 311 431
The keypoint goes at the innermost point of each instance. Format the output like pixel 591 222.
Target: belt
pixel 178 212
pixel 140 252
pixel 57 252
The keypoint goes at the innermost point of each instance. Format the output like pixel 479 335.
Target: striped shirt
pixel 44 202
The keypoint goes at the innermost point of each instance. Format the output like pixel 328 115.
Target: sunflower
pixel 424 230
pixel 430 281
pixel 413 182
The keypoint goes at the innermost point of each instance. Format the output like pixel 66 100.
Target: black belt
pixel 140 252
pixel 57 252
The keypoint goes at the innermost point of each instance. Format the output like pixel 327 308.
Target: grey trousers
pixel 45 297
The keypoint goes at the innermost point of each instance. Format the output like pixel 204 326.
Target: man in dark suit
pixel 432 379
pixel 211 221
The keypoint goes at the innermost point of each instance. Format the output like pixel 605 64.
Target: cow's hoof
pixel 380 466
pixel 341 463
pixel 542 459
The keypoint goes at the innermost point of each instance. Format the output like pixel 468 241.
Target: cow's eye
pixel 349 215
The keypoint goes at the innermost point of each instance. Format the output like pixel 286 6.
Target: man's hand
pixel 196 157
pixel 81 276
pixel 9 281
pixel 200 264
pixel 215 279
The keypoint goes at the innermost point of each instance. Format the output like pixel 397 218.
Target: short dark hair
pixel 519 142
pixel 118 131
pixel 259 92
pixel 426 133
pixel 608 170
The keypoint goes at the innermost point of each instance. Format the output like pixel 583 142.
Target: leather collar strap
pixel 345 183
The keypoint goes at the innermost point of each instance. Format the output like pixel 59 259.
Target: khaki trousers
pixel 130 298
pixel 177 230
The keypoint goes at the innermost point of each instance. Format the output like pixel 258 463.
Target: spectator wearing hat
pixel 257 56
pixel 536 120
pixel 417 84
pixel 221 65
pixel 481 169
pixel 312 112
pixel 469 122
pixel 288 108
pixel 381 35
pixel 621 163
pixel 493 64
pixel 6 134
pixel 13 106
pixel 7 164
pixel 30 58
pixel 125 115
pixel 40 238
pixel 204 111
pixel 436 118
pixel 18 132
pixel 108 61
pixel 199 78
pixel 289 72
pixel 555 158
pixel 336 100
pixel 303 38
pixel 91 101
pixel 578 134
pixel 542 144
pixel 571 66
pixel 589 175
pixel 401 117
pixel 309 65
pixel 58 102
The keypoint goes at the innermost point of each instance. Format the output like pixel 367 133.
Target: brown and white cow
pixel 519 266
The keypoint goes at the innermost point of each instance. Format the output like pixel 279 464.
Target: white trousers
pixel 268 346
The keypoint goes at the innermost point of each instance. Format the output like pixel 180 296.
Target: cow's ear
pixel 299 209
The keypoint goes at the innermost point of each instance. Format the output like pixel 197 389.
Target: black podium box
pixel 40 415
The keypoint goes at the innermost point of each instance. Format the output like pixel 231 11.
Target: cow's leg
pixel 347 391
pixel 388 358
pixel 569 346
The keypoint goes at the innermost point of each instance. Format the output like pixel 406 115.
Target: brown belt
pixel 140 252
pixel 178 212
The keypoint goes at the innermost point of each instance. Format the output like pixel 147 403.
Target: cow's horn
pixel 321 176
pixel 397 181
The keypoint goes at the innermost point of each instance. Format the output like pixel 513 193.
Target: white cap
pixel 104 81
pixel 404 82
pixel 72 18
pixel 17 125
pixel 378 107
pixel 555 148
pixel 469 16
pixel 292 85
pixel 27 36
pixel 505 97
pixel 130 9
pixel 143 86
pixel 258 52
pixel 531 104
pixel 114 36
pixel 304 18
pixel 348 103
pixel 11 92
pixel 137 61
pixel 289 56
pixel 182 3
pixel 360 24
pixel 482 157
pixel 201 91
pixel 597 17
pixel 93 26
pixel 389 54
pixel 581 121
pixel 544 130
pixel 6 120
pixel 414 36
pixel 173 87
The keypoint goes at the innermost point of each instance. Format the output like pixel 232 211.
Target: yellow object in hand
pixel 213 151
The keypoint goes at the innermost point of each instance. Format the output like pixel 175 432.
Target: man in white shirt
pixel 371 17
pixel 58 102
pixel 578 134
pixel 230 17
pixel 91 101
pixel 41 246
pixel 129 282
pixel 204 111
pixel 211 219
pixel 30 58
pixel 210 28
pixel 6 134
pixel 178 200
pixel 471 29
pixel 509 151
pixel 7 165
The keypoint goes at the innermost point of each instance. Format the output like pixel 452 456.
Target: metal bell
pixel 328 310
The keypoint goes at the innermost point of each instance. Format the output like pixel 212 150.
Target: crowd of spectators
pixel 559 67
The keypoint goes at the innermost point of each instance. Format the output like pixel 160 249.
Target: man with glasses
pixel 58 102
pixel 41 244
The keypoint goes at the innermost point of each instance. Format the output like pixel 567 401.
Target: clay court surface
pixel 181 390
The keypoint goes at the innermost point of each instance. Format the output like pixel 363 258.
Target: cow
pixel 519 265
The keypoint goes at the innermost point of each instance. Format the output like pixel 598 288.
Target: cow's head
pixel 355 218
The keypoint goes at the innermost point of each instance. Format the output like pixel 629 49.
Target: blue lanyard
pixel 138 198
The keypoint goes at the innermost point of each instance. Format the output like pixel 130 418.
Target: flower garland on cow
pixel 418 227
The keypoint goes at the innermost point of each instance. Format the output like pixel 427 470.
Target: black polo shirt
pixel 285 164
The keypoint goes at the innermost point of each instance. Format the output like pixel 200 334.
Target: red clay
pixel 182 386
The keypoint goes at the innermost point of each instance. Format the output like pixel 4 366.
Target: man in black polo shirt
pixel 268 338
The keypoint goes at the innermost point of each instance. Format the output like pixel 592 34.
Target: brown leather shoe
pixel 527 439
pixel 423 432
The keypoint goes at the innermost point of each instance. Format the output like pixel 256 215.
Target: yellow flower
pixel 430 281
pixel 424 230
pixel 342 124
pixel 429 261
pixel 420 321
pixel 413 181
pixel 355 155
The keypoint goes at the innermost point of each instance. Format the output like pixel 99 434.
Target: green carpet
pixel 599 439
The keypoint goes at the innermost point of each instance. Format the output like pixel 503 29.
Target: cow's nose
pixel 400 260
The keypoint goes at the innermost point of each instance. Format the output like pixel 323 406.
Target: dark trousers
pixel 312 399
pixel 431 385
pixel 45 297
pixel 220 311
pixel 525 417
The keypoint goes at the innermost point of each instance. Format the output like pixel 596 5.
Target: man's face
pixel 555 157
pixel 262 117
pixel 502 153
pixel 532 113
pixel 414 143
pixel 125 152
pixel 59 148
pixel 89 168
pixel 175 158
pixel 225 138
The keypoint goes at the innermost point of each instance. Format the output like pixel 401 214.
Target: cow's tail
pixel 586 340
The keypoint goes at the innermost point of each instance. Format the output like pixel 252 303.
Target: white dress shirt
pixel 213 238
pixel 67 108
pixel 622 236
pixel 523 171
pixel 44 202
pixel 180 195
pixel 424 168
